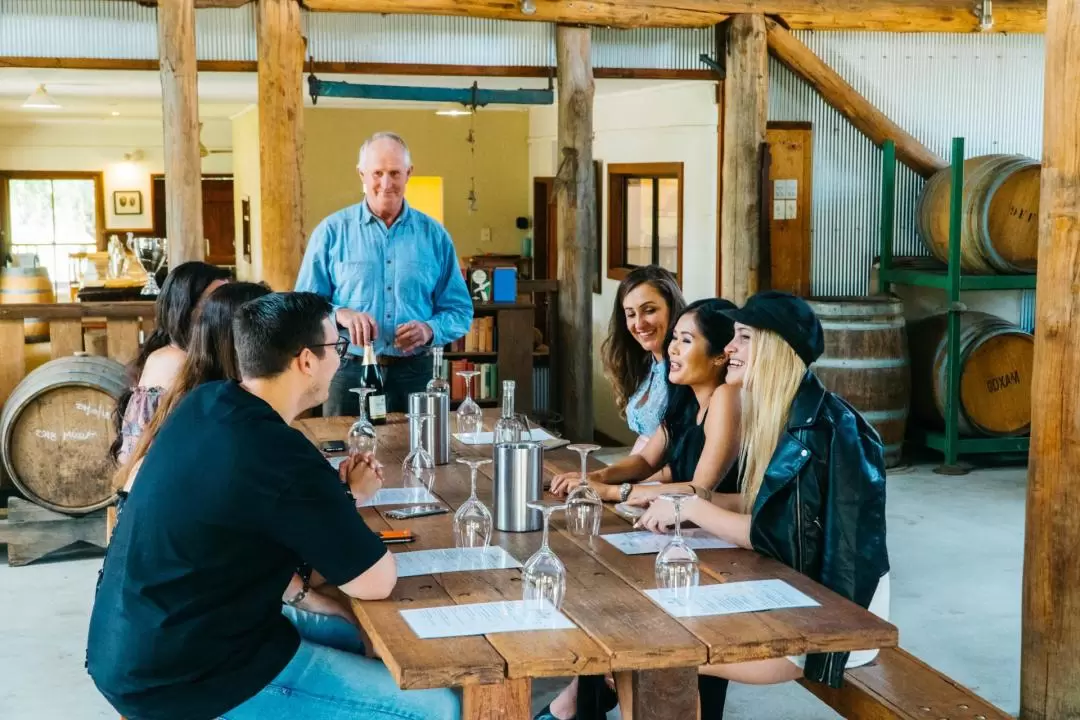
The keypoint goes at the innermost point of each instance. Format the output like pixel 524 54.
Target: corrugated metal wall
pixel 125 30
pixel 986 88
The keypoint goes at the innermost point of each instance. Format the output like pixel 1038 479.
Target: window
pixel 50 216
pixel 644 217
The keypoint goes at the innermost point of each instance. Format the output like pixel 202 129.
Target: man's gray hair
pixel 384 136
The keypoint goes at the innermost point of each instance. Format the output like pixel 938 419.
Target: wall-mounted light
pixel 986 15
pixel 528 7
pixel 40 100
pixel 453 113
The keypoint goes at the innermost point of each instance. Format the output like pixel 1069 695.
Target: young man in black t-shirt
pixel 230 501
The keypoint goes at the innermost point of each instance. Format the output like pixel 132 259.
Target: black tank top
pixel 684 453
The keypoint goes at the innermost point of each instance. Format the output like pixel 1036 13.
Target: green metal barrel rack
pixel 952 281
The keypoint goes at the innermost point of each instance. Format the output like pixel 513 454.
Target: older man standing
pixel 391 274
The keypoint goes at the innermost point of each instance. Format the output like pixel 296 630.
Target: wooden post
pixel 576 198
pixel 180 112
pixel 1050 647
pixel 746 96
pixel 281 132
pixel 859 111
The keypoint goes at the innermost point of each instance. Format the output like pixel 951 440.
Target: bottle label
pixel 377 406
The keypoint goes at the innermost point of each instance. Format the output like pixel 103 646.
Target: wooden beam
pixel 836 91
pixel 746 95
pixel 281 132
pixel 180 115
pixel 576 200
pixel 1016 16
pixel 1050 635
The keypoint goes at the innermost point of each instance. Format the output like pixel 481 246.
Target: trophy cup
pixel 151 254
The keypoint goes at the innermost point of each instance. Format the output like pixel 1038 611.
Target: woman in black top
pixel 698 442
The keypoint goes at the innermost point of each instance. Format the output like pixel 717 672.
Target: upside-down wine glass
pixel 677 564
pixel 472 521
pixel 362 437
pixel 418 464
pixel 543 577
pixel 583 505
pixel 470 418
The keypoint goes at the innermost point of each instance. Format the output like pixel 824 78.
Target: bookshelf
pixel 509 335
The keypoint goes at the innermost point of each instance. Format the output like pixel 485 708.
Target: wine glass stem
pixel 584 466
pixel 544 541
pixel 363 407
pixel 468 387
pixel 678 520
pixel 472 495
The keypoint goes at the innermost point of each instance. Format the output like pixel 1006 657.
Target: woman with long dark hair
pixel 155 368
pixel 647 302
pixel 696 447
pixel 812 480
pixel 211 356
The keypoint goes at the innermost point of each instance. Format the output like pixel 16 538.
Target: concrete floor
pixel 956 545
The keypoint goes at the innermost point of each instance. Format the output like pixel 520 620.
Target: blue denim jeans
pixel 328 679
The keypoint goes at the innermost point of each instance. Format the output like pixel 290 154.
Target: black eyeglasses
pixel 341 346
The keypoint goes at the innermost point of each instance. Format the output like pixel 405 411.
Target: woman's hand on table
pixel 659 516
pixel 563 483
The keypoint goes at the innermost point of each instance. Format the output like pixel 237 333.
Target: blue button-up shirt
pixel 406 272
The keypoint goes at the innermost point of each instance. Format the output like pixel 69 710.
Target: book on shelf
pixel 485 386
pixel 480 338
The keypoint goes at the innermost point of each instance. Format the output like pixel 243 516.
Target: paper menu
pixel 482 619
pixel 642 542
pixel 734 597
pixel 335 462
pixel 429 562
pixel 487 438
pixel 399 496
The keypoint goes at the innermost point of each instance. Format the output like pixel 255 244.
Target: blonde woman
pixel 812 479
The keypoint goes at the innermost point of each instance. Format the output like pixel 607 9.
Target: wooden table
pixel 653 655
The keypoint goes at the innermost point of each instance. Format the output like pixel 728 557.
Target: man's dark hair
pixel 270 331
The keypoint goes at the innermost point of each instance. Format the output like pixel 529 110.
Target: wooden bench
pixel 899 686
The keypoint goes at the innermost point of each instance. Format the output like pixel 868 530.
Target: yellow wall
pixel 333 137
pixel 246 184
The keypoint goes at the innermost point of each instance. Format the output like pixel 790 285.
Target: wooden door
pixel 545 224
pixel 787 203
pixel 219 229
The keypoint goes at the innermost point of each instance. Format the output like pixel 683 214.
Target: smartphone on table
pixel 333 446
pixel 415 511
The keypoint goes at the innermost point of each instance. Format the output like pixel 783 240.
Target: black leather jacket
pixel 821 506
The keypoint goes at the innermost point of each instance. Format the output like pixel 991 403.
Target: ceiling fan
pixel 204 151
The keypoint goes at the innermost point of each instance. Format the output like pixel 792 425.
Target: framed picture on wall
pixel 127 202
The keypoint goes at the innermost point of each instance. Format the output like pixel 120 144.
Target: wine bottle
pixel 371 377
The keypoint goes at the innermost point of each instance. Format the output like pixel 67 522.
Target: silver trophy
pixel 151 254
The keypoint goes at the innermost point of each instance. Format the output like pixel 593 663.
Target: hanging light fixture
pixel 40 100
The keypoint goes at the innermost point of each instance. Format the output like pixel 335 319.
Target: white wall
pixel 100 146
pixel 671 122
pixel 246 174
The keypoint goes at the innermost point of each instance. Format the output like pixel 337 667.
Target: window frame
pixel 5 210
pixel 618 176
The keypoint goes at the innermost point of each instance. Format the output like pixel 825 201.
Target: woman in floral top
pixel 156 368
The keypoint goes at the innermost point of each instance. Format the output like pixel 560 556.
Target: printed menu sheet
pixel 399 496
pixel 482 619
pixel 487 438
pixel 642 542
pixel 335 462
pixel 733 597
pixel 429 562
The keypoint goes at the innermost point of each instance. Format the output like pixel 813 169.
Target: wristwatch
pixel 624 491
pixel 305 575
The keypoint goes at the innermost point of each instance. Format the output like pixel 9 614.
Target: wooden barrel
pixel 56 429
pixel 999 217
pixel 28 285
pixel 866 362
pixel 996 359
